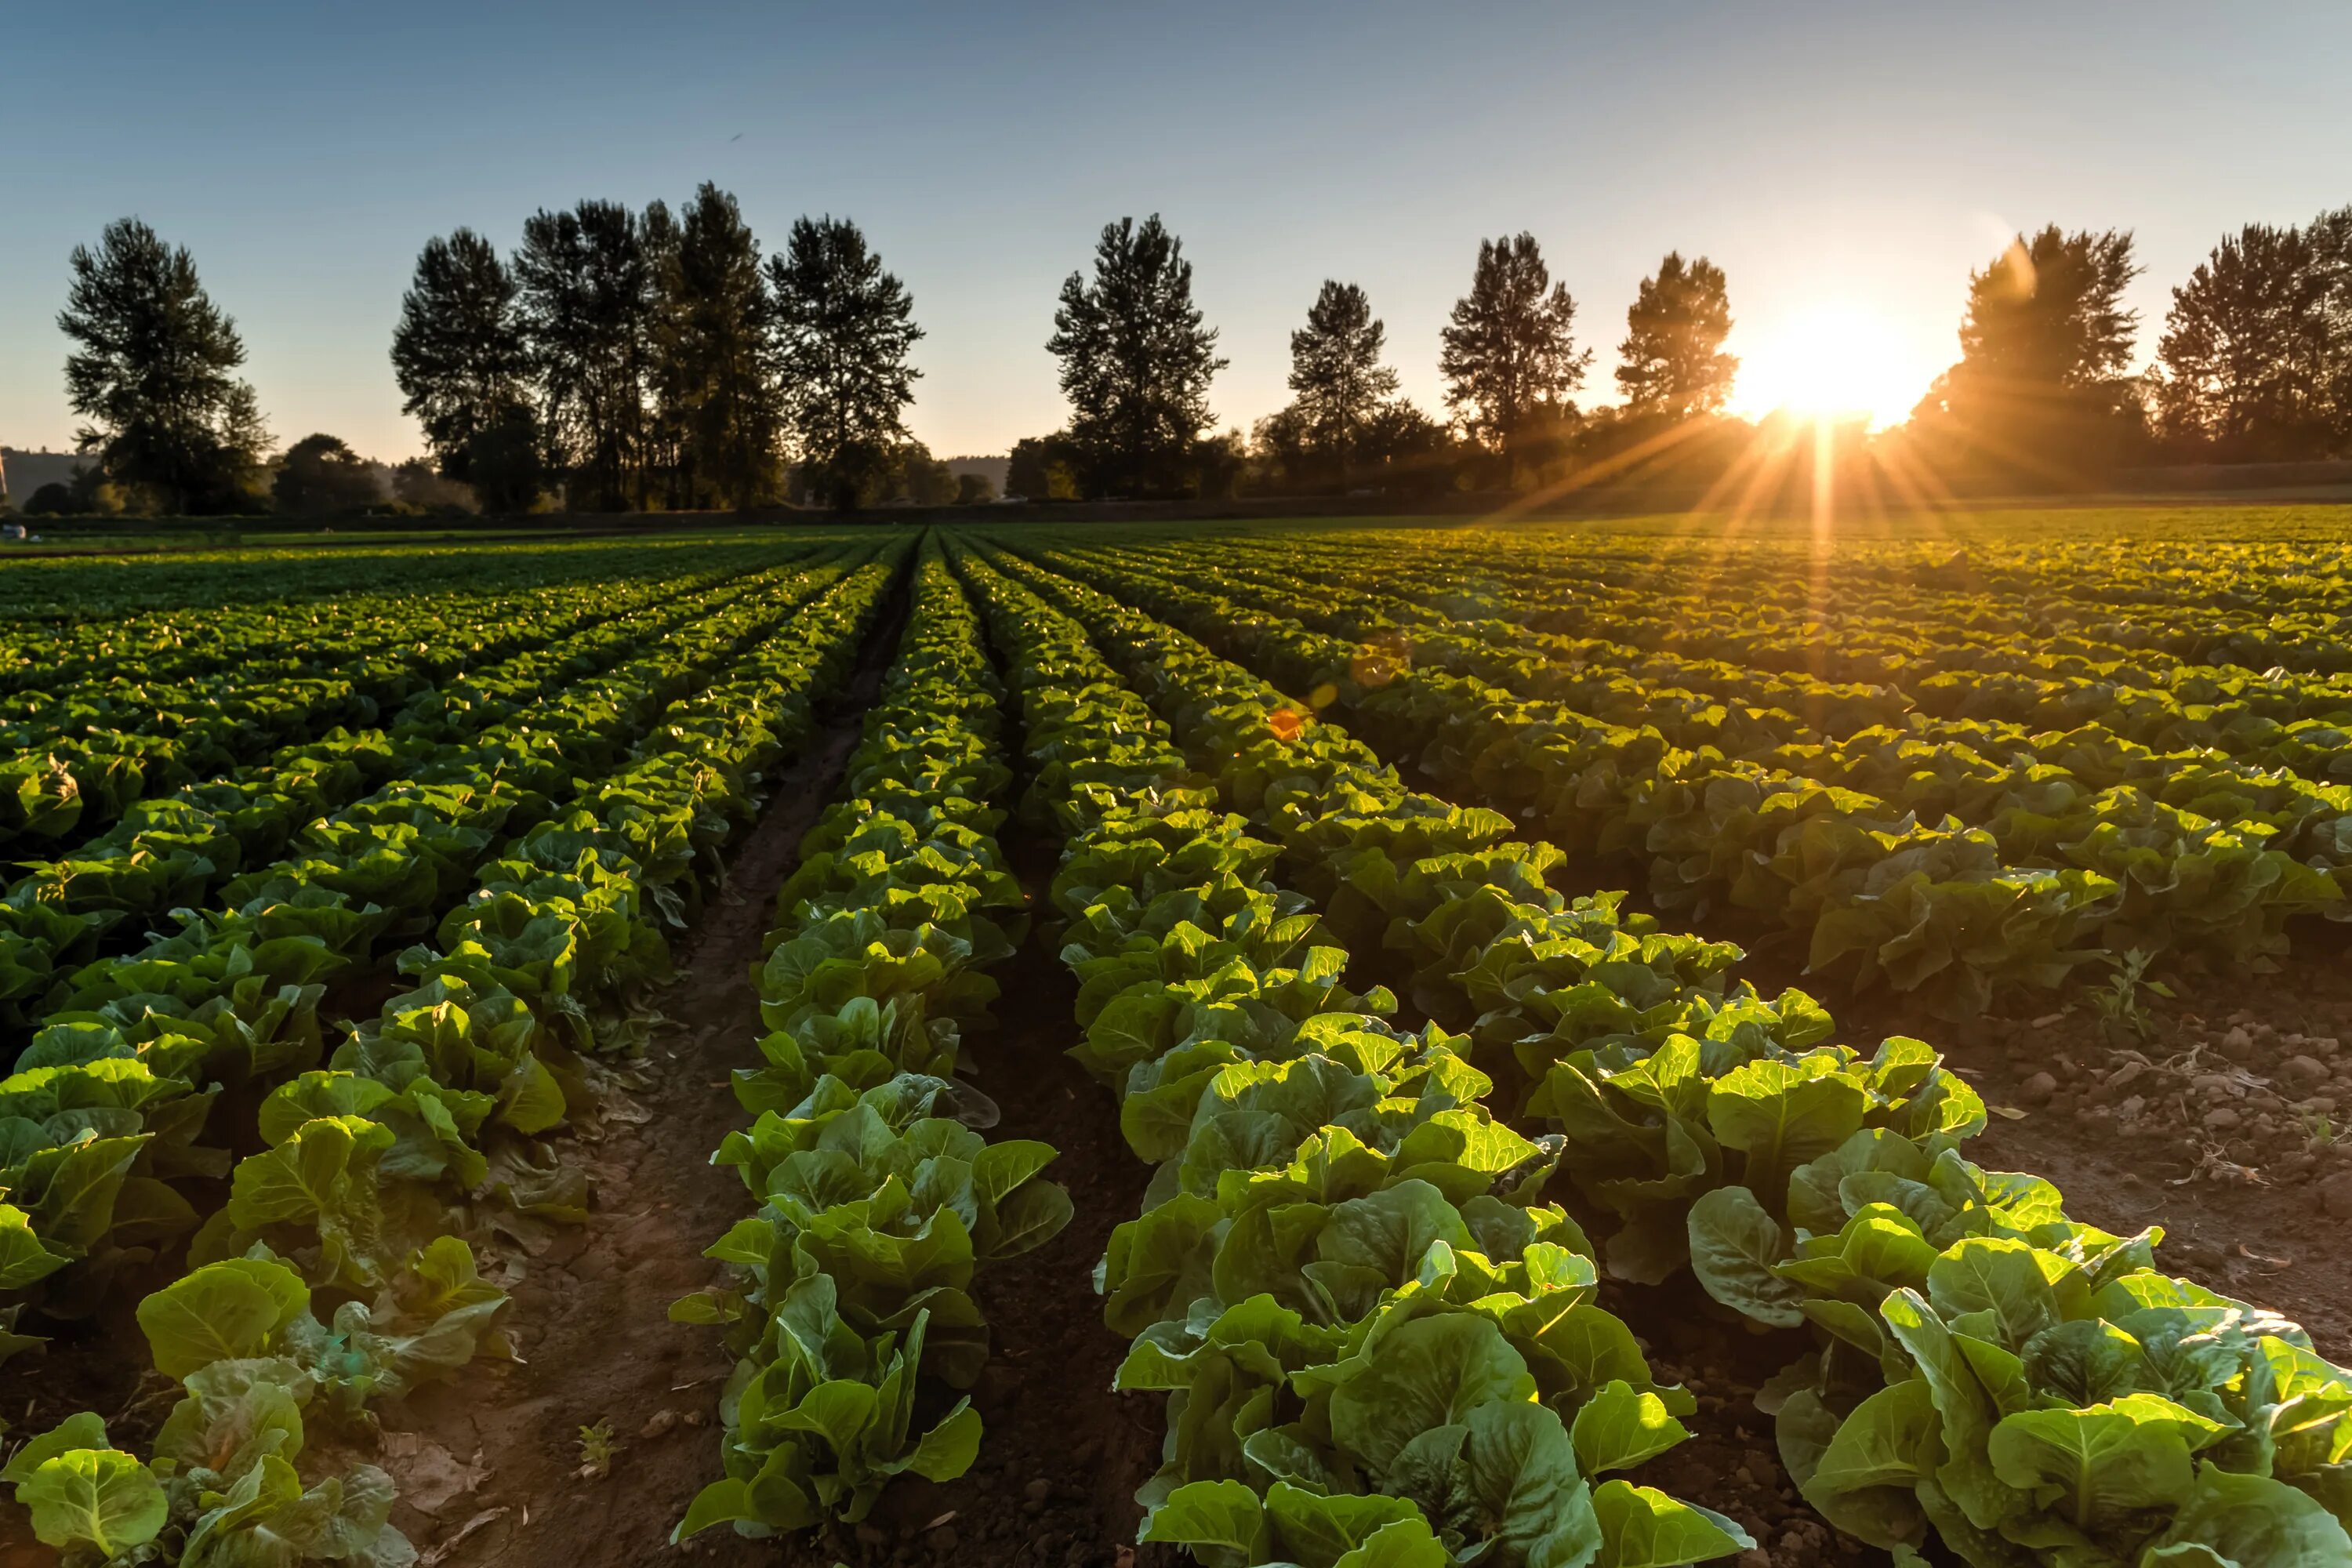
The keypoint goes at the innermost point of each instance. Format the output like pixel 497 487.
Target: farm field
pixel 1361 1045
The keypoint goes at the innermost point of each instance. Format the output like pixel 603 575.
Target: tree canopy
pixel 459 355
pixel 320 476
pixel 1136 362
pixel 155 373
pixel 1674 365
pixel 715 375
pixel 1336 374
pixel 2255 362
pixel 2040 387
pixel 845 328
pixel 1509 354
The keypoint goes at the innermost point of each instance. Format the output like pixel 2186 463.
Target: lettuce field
pixel 1535 1045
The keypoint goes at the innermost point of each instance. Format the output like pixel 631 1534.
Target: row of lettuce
pixel 87 746
pixel 337 1273
pixel 1378 1340
pixel 226 1000
pixel 1825 679
pixel 1950 875
pixel 224 835
pixel 1982 1374
pixel 877 1194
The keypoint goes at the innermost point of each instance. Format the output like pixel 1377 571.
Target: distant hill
pixel 993 467
pixel 26 473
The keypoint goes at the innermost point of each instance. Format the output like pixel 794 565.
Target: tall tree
pixel 460 356
pixel 1336 374
pixel 1509 353
pixel 587 308
pixel 1674 365
pixel 844 328
pixel 2044 342
pixel 155 373
pixel 716 358
pixel 1136 361
pixel 2253 348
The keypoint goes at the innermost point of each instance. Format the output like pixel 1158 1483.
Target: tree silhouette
pixel 155 373
pixel 1675 366
pixel 1136 361
pixel 1510 352
pixel 845 328
pixel 2040 387
pixel 2254 351
pixel 320 476
pixel 1336 374
pixel 587 303
pixel 716 359
pixel 459 355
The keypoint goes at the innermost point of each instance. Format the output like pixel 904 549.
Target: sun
pixel 1828 360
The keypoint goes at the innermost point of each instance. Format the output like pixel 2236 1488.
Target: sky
pixel 1846 164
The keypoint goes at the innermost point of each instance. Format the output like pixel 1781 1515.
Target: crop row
pixel 1379 1342
pixel 107 1107
pixel 177 850
pixel 348 1202
pixel 1902 889
pixel 877 1195
pixel 1983 1371
pixel 82 751
pixel 1997 694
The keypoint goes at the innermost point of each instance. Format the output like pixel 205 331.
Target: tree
pixel 155 373
pixel 923 479
pixel 320 476
pixel 587 303
pixel 458 352
pixel 716 359
pixel 1408 450
pixel 2040 387
pixel 2253 350
pixel 1509 353
pixel 1136 361
pixel 1043 468
pixel 1336 374
pixel 52 499
pixel 974 490
pixel 844 330
pixel 1675 366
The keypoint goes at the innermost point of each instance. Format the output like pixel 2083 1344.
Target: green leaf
pixel 101 1498
pixel 1431 1371
pixel 1521 1468
pixel 1734 1245
pixel 2095 1467
pixel 1619 1428
pixel 23 1259
pixel 530 1099
pixel 83 1429
pixel 1214 1515
pixel 223 1311
pixel 2234 1521
pixel 1643 1528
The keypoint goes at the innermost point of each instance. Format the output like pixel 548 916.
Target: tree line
pixel 620 359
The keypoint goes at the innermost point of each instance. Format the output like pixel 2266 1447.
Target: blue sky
pixel 1852 159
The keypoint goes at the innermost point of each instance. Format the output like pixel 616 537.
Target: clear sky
pixel 1848 161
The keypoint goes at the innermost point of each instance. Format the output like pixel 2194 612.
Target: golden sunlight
pixel 1828 362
